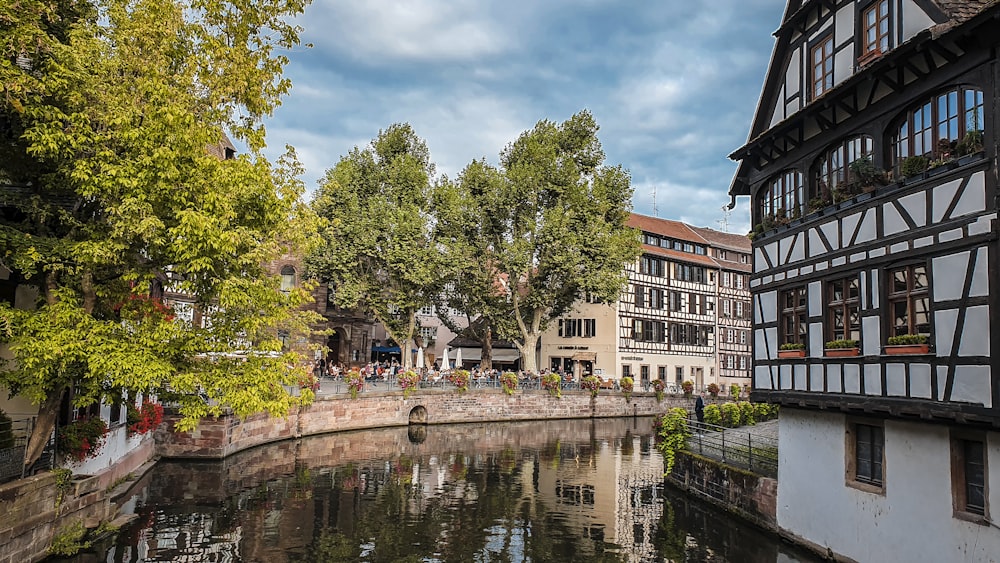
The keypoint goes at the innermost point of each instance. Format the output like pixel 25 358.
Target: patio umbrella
pixel 420 357
pixel 458 359
pixel 444 361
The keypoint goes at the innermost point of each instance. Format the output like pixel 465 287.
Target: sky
pixel 673 85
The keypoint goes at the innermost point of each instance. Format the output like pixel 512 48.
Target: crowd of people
pixel 388 370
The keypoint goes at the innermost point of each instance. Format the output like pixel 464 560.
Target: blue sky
pixel 672 84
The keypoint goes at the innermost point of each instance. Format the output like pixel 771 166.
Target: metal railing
pixel 13 442
pixel 737 447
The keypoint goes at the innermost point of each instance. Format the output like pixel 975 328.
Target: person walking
pixel 699 407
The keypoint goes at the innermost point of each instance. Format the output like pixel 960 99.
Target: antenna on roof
pixel 655 214
pixel 724 222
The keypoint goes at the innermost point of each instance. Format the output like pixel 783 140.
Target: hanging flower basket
pixel 591 383
pixel 552 383
pixel 82 438
pixel 460 379
pixel 508 382
pixel 408 382
pixel 628 385
pixel 658 387
pixel 145 418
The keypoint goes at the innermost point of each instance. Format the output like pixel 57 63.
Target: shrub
pixel 905 339
pixel 713 415
pixel 836 344
pixel 735 390
pixel 765 411
pixel 792 346
pixel 730 415
pixel 673 432
pixel 747 415
pixel 914 165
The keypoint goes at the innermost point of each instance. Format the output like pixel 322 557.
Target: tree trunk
pixel 529 358
pixel 48 411
pixel 486 357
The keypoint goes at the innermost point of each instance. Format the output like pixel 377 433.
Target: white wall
pixel 911 521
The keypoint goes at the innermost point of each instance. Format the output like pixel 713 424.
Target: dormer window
pixel 875 20
pixel 948 125
pixel 783 197
pixel 833 168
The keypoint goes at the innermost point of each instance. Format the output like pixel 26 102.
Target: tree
pixel 557 226
pixel 108 113
pixel 379 250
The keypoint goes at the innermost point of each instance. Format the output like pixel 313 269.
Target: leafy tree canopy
pixel 380 251
pixel 110 115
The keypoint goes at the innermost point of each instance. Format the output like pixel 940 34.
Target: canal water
pixel 545 491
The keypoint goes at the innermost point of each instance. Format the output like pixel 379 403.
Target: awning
pixel 504 355
pixel 585 356
pixel 385 349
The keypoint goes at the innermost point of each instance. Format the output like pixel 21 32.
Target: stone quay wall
pixel 221 437
pixel 748 495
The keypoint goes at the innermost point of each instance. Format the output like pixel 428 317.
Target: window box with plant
pixel 82 438
pixel 792 350
pixel 908 344
pixel 143 419
pixel 840 348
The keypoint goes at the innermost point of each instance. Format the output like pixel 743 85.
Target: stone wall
pixel 35 509
pixel 748 495
pixel 218 438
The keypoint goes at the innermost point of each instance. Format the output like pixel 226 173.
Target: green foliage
pixel 64 481
pixel 673 432
pixel 731 417
pixel 735 390
pixel 971 143
pixel 658 387
pixel 688 387
pixel 839 344
pixel 108 127
pixel 914 165
pixel 460 379
pixel 69 540
pixel 408 381
pixel 792 346
pixel 591 383
pixel 81 439
pixel 508 381
pixel 713 415
pixel 905 339
pixel 765 411
pixel 713 389
pixel 381 250
pixel 550 223
pixel 747 413
pixel 552 383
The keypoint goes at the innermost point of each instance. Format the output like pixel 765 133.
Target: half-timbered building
pixel 871 167
pixel 688 289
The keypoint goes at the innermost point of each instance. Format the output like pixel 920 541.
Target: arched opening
pixel 418 415
pixel 335 342
pixel 287 279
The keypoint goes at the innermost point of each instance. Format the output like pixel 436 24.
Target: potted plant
pixel 460 379
pixel 82 438
pixel 591 383
pixel 143 419
pixel 658 387
pixel 867 175
pixel 508 381
pixel 356 383
pixel 908 344
pixel 840 348
pixel 552 383
pixel 688 387
pixel 913 166
pixel 713 390
pixel 627 384
pixel 792 350
pixel 407 382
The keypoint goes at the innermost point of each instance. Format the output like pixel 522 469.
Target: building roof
pixel 678 230
pixel 729 241
pixel 665 227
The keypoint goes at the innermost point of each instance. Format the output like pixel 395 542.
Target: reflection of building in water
pixel 608 492
pixel 190 538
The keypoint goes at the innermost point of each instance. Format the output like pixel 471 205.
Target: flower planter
pixel 840 352
pixel 903 349
pixel 970 158
pixel 791 353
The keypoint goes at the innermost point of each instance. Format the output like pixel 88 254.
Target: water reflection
pixel 577 490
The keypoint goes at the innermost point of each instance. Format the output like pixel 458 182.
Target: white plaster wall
pixel 914 19
pixel 814 503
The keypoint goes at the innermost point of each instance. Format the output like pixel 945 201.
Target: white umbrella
pixel 458 359
pixel 420 357
pixel 444 361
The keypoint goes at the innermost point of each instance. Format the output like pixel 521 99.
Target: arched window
pixel 948 125
pixel 833 168
pixel 287 279
pixel 783 197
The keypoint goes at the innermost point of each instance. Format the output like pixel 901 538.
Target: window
pixel 821 66
pixel 909 304
pixel 945 126
pixel 866 447
pixel 726 310
pixel 626 370
pixel 589 328
pixel 793 316
pixel 743 362
pixel 640 296
pixel 685 272
pixel 679 374
pixel 726 279
pixel 427 311
pixel 574 328
pixel 287 279
pixel 843 315
pixel 968 471
pixel 651 266
pixel 739 281
pixel 730 362
pixel 284 338
pixel 876 22
pixel 675 301
pixel 783 197
pixel 833 168
pixel 655 298
pixel 661 373
pixel 428 333
pixel 739 310
pixel 743 337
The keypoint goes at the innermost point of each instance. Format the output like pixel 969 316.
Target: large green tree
pixel 108 114
pixel 556 227
pixel 379 246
